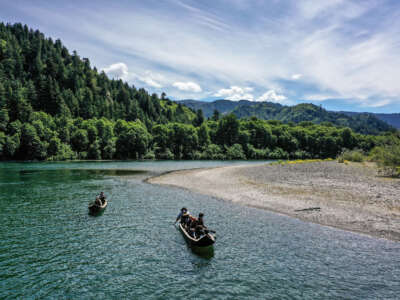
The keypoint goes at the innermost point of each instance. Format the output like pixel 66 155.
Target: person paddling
pixel 102 198
pixel 197 226
pixel 98 201
pixel 180 215
pixel 199 221
pixel 183 216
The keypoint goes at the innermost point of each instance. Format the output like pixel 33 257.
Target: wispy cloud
pixel 150 79
pixel 187 86
pixel 378 103
pixel 297 76
pixel 319 97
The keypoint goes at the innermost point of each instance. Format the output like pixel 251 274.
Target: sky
pixel 341 54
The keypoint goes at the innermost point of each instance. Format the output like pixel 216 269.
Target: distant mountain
pixel 223 106
pixel 365 123
pixel 391 119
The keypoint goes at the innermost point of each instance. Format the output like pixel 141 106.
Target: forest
pixel 55 106
pixel 365 123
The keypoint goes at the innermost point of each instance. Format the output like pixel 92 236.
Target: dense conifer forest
pixel 55 106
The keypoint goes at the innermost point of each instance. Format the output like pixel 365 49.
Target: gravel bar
pixel 348 196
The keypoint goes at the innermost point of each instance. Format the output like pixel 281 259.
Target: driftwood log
pixel 309 209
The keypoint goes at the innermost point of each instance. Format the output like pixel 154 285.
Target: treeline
pixel 45 137
pixel 39 74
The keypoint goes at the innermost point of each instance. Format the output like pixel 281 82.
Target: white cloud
pixel 319 97
pixel 120 71
pixel 187 86
pixel 379 103
pixel 236 93
pixel 297 76
pixel 151 82
pixel 150 79
pixel 272 96
pixel 117 71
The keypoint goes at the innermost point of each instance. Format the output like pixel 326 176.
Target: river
pixel 50 248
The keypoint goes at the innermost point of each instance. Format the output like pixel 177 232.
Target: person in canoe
pixel 183 216
pixel 98 202
pixel 102 198
pixel 200 220
pixel 197 221
pixel 197 227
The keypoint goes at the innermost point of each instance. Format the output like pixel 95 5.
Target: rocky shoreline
pixel 347 196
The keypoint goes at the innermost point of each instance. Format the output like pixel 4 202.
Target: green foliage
pixel 80 140
pixel 213 152
pixel 235 152
pixel 204 136
pixel 166 154
pixel 133 140
pixel 4 119
pixel 183 140
pixel 228 130
pixel 60 138
pixel 355 155
pixel 199 118
pixel 388 158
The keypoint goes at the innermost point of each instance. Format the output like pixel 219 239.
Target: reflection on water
pixel 203 252
pixel 69 172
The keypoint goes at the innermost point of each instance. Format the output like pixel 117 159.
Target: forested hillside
pixel 222 106
pixel 55 106
pixel 39 74
pixel 365 123
pixel 391 119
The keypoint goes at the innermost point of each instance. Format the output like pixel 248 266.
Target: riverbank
pixel 349 196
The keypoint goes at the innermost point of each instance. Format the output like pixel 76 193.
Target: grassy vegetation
pixel 387 159
pixel 299 161
pixel 355 155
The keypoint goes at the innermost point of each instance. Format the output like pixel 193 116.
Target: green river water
pixel 50 248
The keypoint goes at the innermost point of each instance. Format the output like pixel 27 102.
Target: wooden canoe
pixel 206 240
pixel 95 209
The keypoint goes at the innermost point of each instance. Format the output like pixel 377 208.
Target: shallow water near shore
pixel 51 248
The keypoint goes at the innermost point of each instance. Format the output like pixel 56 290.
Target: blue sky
pixel 342 54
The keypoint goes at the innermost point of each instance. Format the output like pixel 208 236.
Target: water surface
pixel 51 248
